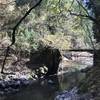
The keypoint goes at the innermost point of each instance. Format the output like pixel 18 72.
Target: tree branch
pixel 85 16
pixel 14 32
pixel 26 14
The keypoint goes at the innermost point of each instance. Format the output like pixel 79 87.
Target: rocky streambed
pixel 13 83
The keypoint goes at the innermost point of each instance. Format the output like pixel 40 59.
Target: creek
pixel 53 87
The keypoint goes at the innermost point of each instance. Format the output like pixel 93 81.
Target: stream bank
pixel 70 73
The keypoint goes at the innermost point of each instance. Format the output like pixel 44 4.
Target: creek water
pixel 48 89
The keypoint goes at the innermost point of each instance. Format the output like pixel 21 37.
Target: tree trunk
pixel 97 58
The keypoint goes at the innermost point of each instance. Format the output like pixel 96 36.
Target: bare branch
pixel 26 14
pixel 14 31
pixel 85 16
pixel 80 4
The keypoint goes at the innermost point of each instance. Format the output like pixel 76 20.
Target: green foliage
pixel 52 17
pixel 25 40
pixel 58 41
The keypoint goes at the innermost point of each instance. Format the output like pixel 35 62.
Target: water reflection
pixel 48 88
pixel 70 80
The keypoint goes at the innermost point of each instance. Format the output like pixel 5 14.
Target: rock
pixel 68 95
pixel 13 83
pixel 50 82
